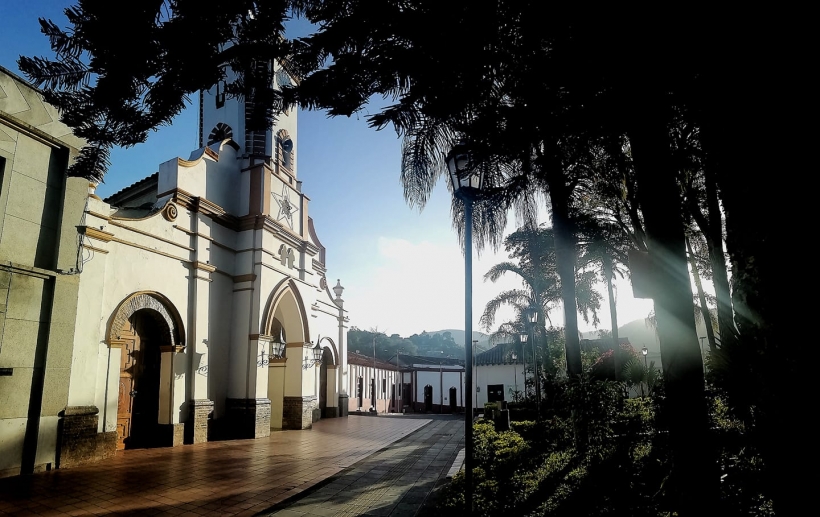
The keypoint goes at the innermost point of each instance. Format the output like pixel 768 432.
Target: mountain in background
pixel 637 331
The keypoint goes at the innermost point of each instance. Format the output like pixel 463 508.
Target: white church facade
pixel 204 309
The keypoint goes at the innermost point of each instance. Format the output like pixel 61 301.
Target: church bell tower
pixel 222 117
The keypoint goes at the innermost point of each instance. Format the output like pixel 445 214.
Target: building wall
pixel 39 209
pixel 385 382
pixel 510 375
pixel 437 380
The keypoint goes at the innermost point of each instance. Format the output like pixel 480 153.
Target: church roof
pixel 134 190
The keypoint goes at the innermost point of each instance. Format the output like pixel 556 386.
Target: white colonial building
pixel 190 278
pixel 499 375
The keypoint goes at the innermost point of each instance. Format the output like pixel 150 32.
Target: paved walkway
pixel 242 477
pixel 396 481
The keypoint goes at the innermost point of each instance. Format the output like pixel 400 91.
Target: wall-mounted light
pixel 277 346
pixel 313 356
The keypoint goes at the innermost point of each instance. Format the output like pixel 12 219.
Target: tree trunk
pixel 762 283
pixel 694 479
pixel 613 314
pixel 714 243
pixel 565 256
pixel 704 310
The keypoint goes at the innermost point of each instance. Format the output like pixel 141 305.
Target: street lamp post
pixel 440 385
pixel 523 338
pixel 514 358
pixel 475 375
pixel 532 315
pixel 466 183
pixel 645 352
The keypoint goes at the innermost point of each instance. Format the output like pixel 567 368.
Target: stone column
pixel 342 374
pixel 298 403
pixel 171 394
pixel 200 407
pixel 276 390
pixel 250 416
pixel 332 409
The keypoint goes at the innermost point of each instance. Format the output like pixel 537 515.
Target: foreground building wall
pixel 39 212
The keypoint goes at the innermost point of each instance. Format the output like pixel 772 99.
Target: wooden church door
pixel 128 374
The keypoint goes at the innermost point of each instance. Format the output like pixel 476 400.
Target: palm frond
pixel 517 298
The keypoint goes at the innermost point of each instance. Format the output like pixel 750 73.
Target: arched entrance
pixel 140 364
pixel 326 358
pixel 145 326
pixel 328 393
pixel 291 390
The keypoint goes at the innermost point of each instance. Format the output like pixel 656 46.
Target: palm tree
pixel 603 246
pixel 533 252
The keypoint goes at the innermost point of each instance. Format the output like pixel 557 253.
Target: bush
pixel 550 435
pixel 620 466
pixel 637 417
pixel 498 453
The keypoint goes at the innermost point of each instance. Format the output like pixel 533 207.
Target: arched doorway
pixel 148 330
pixel 138 408
pixel 291 389
pixel 327 358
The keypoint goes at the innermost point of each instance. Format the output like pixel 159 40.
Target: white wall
pixel 506 374
pixel 438 380
pixel 384 379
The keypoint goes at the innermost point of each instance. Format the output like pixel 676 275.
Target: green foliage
pixel 636 373
pixel 594 404
pixel 722 418
pixel 640 410
pixel 533 259
pixel 536 468
pixel 554 362
pixel 553 434
pixel 604 366
pixel 386 346
pixel 506 475
pixel 498 453
pixel 437 345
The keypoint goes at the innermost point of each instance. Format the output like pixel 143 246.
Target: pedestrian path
pixel 239 477
pixel 457 464
pixel 395 481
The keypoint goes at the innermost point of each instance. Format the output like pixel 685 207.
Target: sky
pixel 402 269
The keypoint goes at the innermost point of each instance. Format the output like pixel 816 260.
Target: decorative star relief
pixel 287 209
